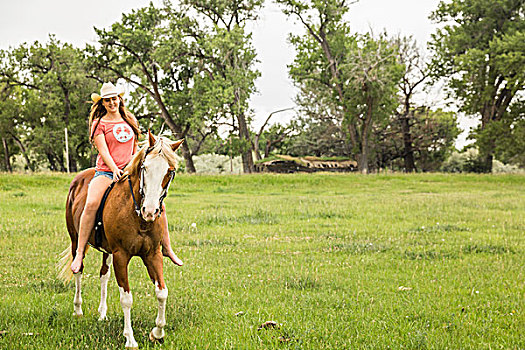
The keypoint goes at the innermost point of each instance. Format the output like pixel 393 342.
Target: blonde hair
pixel 161 148
pixel 98 111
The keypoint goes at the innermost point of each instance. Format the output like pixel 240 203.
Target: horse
pixel 131 229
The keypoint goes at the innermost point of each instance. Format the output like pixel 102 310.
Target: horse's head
pixel 157 168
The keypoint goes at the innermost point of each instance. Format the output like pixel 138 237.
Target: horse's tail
pixel 64 265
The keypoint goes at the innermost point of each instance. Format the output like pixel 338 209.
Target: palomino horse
pixel 131 228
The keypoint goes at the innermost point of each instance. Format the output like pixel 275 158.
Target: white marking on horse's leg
pixel 103 307
pixel 162 294
pixel 126 301
pixel 77 301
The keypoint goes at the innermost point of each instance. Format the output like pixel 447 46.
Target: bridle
pixel 171 174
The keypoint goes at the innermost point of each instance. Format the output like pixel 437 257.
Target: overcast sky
pixel 73 22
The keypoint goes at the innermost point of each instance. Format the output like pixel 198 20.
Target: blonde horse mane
pixel 162 148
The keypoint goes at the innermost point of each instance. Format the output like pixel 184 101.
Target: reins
pixel 137 208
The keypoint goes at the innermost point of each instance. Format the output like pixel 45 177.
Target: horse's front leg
pixel 155 271
pixel 120 265
pixel 77 301
pixel 105 272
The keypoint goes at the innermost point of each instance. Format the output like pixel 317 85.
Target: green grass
pixel 338 261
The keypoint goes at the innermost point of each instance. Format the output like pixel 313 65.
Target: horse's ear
pixel 176 144
pixel 151 139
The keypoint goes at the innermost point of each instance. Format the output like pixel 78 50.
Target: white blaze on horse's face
pixel 153 172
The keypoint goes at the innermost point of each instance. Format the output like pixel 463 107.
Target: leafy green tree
pixel 315 137
pixel 272 137
pixel 194 61
pixel 481 51
pixel 359 73
pixel 414 75
pixel 54 87
pixel 148 50
pixel 8 113
pixel 433 133
pixel 510 133
pixel 228 58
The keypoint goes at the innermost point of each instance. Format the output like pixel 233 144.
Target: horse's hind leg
pixel 120 265
pixel 154 266
pixel 77 301
pixel 105 272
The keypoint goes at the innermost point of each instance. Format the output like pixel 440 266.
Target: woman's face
pixel 111 104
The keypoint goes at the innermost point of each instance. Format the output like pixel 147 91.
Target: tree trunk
pixel 367 123
pixel 267 149
pixel 407 142
pixel 493 112
pixel 73 167
pixel 30 165
pixel 188 158
pixel 486 149
pixel 256 149
pixel 177 130
pixel 51 160
pixel 7 162
pixel 363 161
pixel 246 155
pixel 61 162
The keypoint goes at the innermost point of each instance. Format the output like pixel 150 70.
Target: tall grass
pixel 337 261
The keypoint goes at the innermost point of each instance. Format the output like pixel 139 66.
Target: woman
pixel 114 132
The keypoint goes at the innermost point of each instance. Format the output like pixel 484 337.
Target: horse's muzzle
pixel 149 214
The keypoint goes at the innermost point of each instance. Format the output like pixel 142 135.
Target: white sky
pixel 73 21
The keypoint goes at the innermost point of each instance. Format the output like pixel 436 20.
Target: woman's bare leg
pixel 96 190
pixel 166 244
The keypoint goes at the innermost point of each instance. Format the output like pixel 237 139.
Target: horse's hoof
pixel 78 315
pixel 132 348
pixel 155 340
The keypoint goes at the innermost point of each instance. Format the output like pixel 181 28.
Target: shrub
pixel 216 164
pixel 469 162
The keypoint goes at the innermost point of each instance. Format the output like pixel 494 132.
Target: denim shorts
pixel 107 174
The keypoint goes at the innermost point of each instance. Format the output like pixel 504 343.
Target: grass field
pixel 338 261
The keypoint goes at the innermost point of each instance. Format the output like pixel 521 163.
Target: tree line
pixel 191 68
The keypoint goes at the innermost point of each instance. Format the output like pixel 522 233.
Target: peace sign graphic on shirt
pixel 122 132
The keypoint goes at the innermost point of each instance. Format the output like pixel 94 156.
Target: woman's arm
pixel 100 143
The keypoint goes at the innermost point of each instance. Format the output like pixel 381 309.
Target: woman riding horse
pixel 132 227
pixel 114 132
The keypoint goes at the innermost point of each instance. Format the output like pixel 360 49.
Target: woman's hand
pixel 117 174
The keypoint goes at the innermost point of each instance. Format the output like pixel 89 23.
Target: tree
pixel 315 137
pixel 359 73
pixel 433 133
pixel 480 50
pixel 415 73
pixel 274 136
pixel 8 111
pixel 510 133
pixel 196 72
pixel 149 53
pixel 228 60
pixel 52 92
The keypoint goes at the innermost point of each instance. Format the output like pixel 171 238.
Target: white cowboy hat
pixel 107 90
